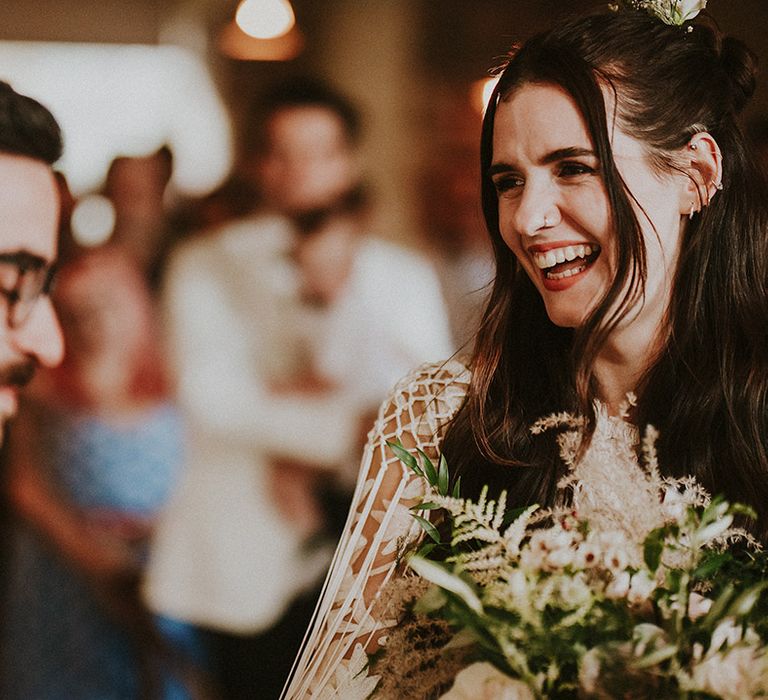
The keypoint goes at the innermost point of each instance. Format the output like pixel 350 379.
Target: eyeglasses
pixel 24 278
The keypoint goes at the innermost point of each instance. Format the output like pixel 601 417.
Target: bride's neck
pixel 620 366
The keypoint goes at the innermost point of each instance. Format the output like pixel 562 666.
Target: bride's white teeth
pixel 566 273
pixel 545 260
pixel 560 255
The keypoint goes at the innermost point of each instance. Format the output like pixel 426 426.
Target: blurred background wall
pixel 413 65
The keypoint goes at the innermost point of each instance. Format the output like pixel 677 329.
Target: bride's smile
pixel 561 263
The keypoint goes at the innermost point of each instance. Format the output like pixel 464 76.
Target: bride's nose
pixel 537 209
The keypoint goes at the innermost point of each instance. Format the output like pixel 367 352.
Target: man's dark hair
pixel 27 128
pixel 305 92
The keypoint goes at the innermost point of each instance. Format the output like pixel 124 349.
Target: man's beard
pixel 17 374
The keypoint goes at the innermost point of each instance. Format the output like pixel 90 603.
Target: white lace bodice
pixel 379 523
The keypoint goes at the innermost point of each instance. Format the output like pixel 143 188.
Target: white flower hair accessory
pixel 676 12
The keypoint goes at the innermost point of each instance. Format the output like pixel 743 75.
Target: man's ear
pixel 703 164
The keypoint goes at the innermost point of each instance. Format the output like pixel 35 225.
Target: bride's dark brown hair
pixel 707 390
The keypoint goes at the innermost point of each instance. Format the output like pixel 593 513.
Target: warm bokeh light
pixel 235 43
pixel 482 91
pixel 126 100
pixel 265 19
pixel 93 220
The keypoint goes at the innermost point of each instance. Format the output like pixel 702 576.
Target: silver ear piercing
pixel 693 210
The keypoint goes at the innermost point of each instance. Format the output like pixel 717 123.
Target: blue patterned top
pixel 57 643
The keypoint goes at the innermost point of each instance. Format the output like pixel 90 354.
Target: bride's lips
pixel 575 257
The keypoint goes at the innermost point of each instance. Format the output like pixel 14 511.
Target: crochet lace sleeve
pixel 378 525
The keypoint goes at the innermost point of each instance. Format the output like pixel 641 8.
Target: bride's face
pixel 553 207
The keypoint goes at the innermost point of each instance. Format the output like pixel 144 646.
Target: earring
pixel 719 186
pixel 693 210
pixel 694 146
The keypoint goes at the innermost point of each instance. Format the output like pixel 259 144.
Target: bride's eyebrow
pixel 565 153
pixel 551 157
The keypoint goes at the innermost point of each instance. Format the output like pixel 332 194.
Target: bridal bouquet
pixel 641 586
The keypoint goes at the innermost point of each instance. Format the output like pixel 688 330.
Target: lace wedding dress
pixel 344 625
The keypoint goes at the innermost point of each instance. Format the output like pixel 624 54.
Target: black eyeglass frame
pixel 34 279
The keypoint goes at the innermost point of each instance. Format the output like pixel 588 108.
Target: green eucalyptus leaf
pixel 656 657
pixel 426 549
pixel 712 565
pixel 653 547
pixel 741 509
pixel 404 456
pixel 443 477
pixel 715 613
pixel 441 576
pixel 717 507
pixel 457 489
pixel 428 527
pixel 426 506
pixel 746 601
pixel 673 579
pixel 429 468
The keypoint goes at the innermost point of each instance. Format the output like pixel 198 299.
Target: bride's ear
pixel 703 163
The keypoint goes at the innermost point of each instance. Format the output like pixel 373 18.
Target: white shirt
pixel 223 556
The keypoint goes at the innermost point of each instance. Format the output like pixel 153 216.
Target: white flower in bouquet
pixel 616 559
pixel 698 606
pixel 587 554
pixel 618 586
pixel 574 592
pixel 589 671
pixel 673 504
pixel 735 666
pixel 483 681
pixel 641 585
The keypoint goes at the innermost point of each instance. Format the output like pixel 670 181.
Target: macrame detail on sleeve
pixel 377 529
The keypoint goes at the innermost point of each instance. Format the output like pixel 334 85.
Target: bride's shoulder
pixel 436 379
pixel 429 396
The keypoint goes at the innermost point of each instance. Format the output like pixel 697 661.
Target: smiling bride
pixel 630 230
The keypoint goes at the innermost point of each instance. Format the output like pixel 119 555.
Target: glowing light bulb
pixel 265 19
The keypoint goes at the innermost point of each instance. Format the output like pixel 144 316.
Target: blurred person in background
pixel 286 328
pixel 136 187
pixel 93 457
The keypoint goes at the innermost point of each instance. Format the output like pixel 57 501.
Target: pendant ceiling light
pixel 263 30
pixel 265 19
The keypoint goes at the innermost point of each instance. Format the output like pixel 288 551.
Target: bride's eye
pixel 572 169
pixel 507 183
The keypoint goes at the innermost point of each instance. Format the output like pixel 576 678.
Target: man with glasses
pixel 30 142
